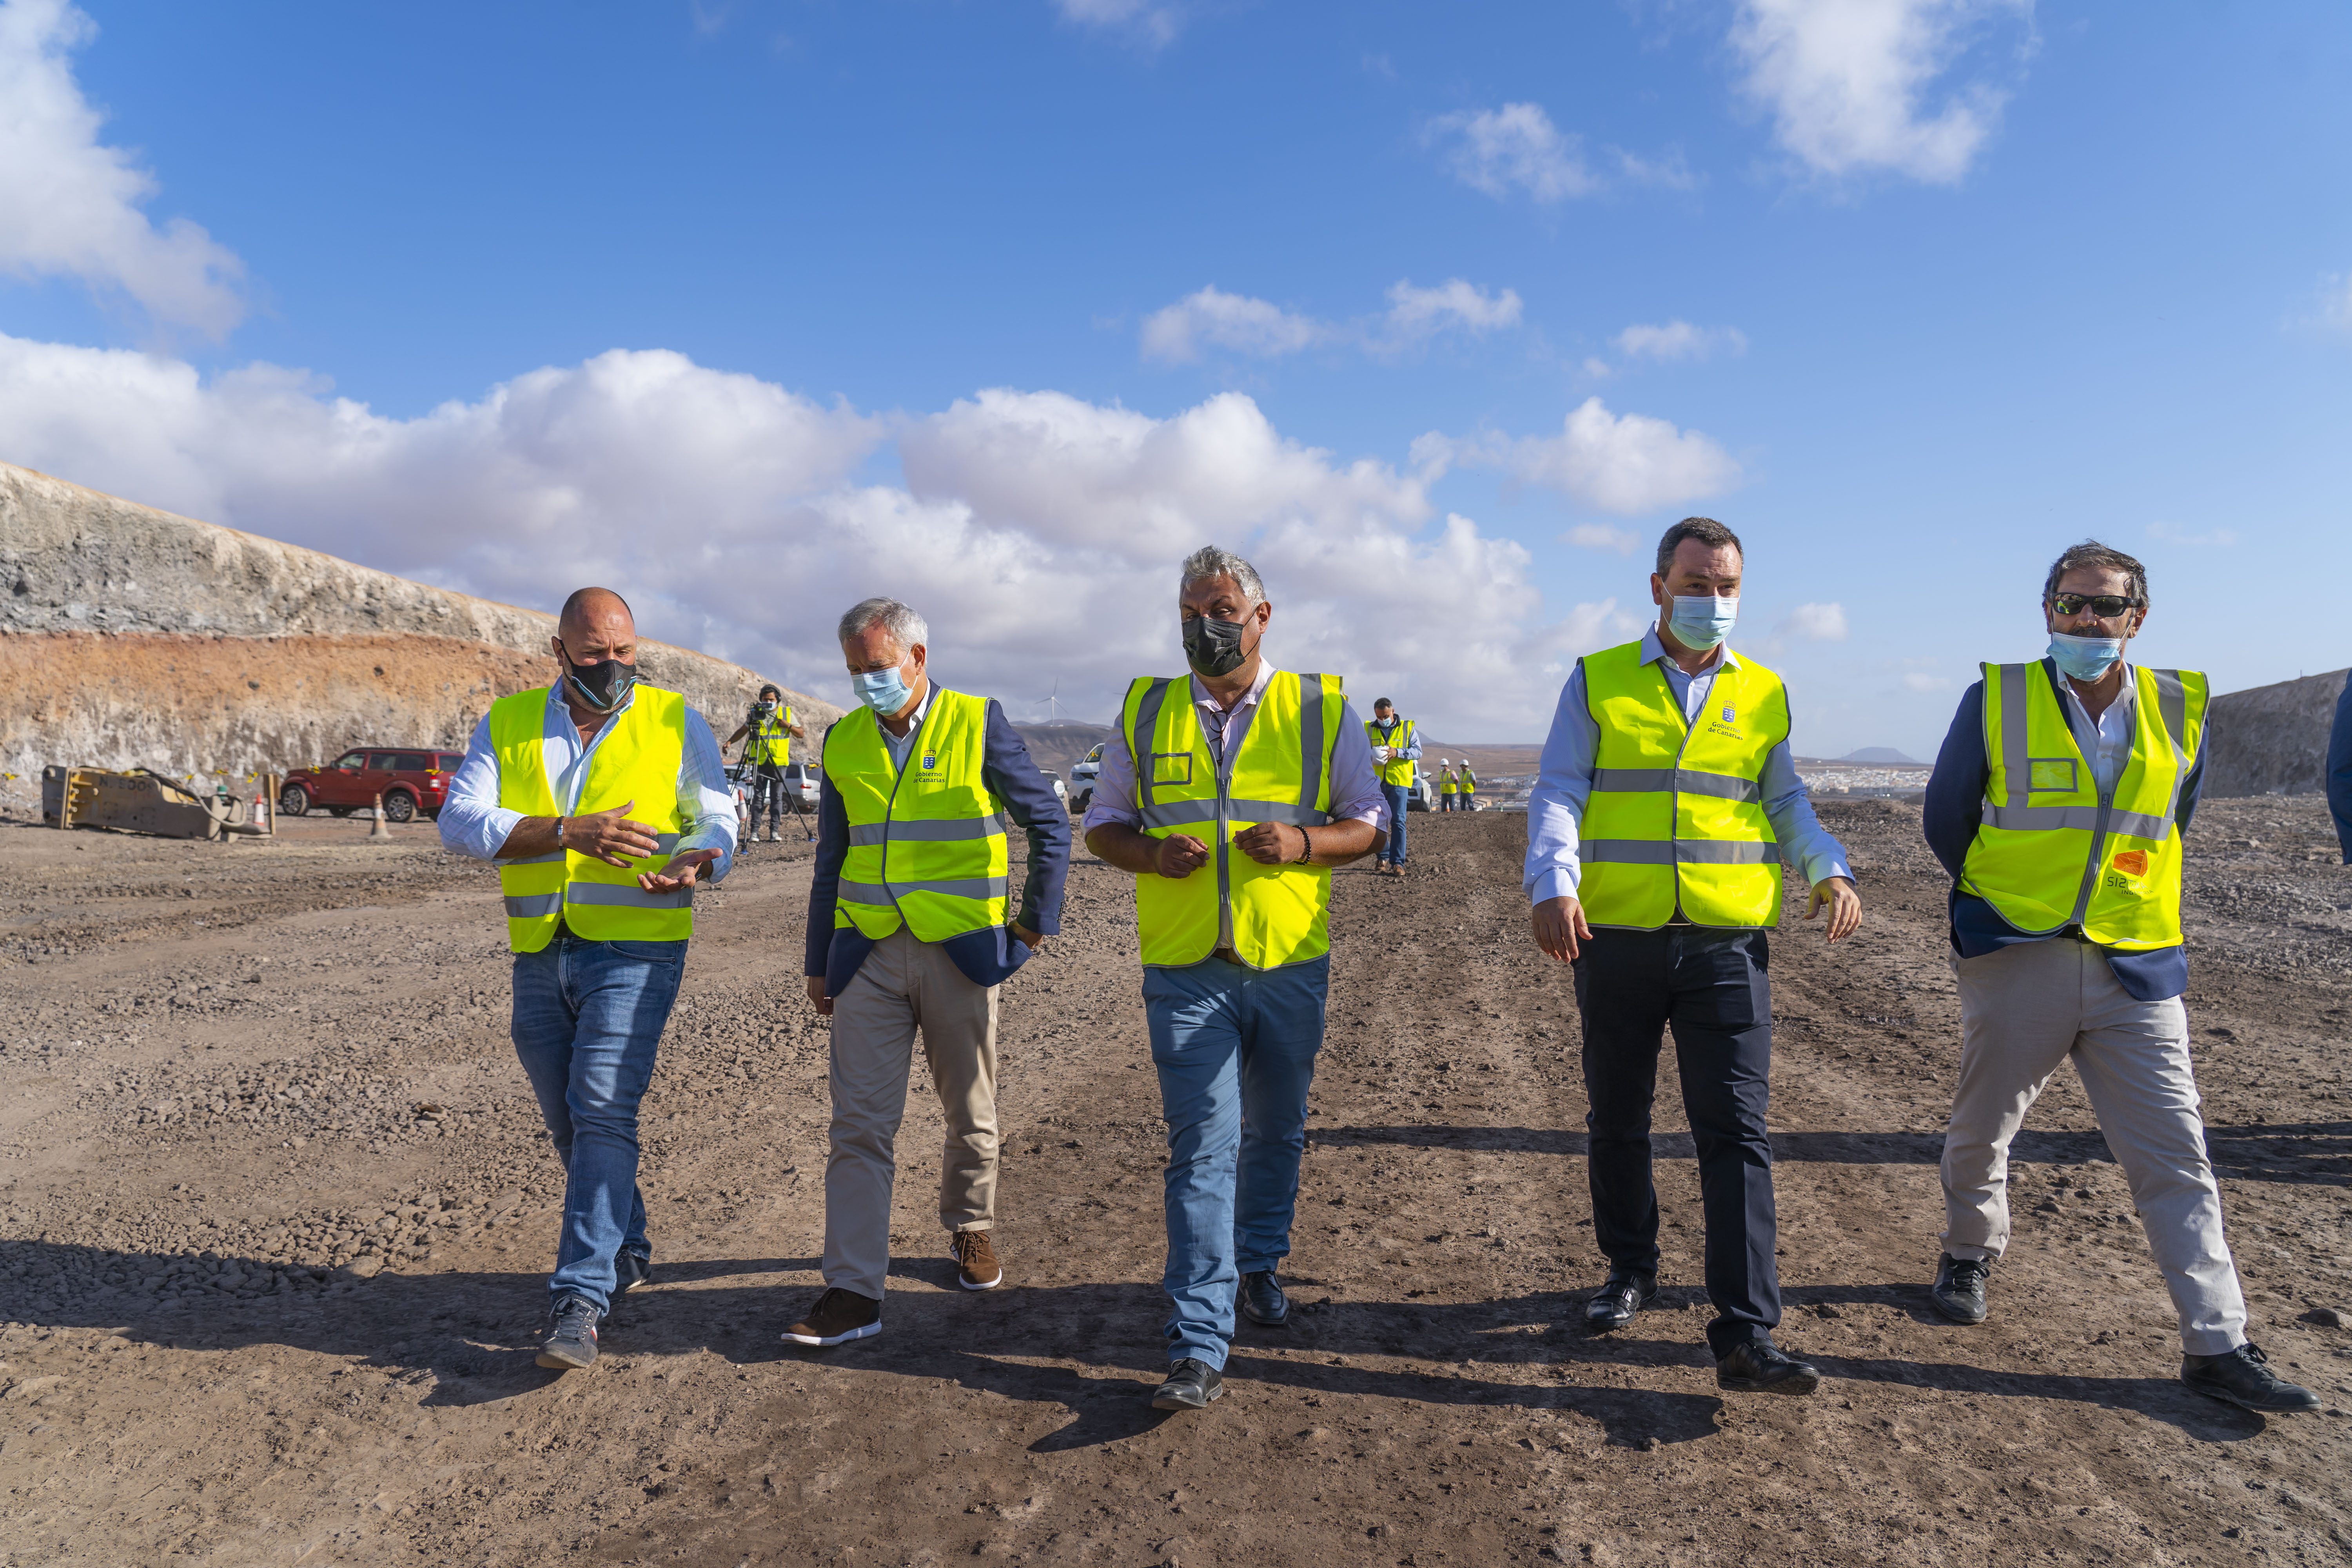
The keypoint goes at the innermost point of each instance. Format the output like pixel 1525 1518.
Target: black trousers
pixel 770 792
pixel 1710 985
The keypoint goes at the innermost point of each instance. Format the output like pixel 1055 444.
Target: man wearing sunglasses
pixel 2058 804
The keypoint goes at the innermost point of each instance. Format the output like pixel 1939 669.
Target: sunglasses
pixel 2106 607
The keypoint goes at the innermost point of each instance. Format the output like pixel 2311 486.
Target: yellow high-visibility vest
pixel 2050 851
pixel 637 758
pixel 1469 780
pixel 1675 820
pixel 1447 783
pixel 927 846
pixel 1396 769
pixel 771 738
pixel 1279 914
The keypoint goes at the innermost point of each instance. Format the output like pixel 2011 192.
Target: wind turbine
pixel 1053 702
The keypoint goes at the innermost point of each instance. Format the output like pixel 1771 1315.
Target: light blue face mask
pixel 881 690
pixel 2084 658
pixel 1702 622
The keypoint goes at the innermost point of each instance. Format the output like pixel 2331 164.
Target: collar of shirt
pixel 568 761
pixel 2106 744
pixel 900 745
pixel 1654 649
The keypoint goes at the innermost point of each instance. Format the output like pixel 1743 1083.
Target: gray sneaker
pixel 1959 1289
pixel 571 1337
pixel 2243 1376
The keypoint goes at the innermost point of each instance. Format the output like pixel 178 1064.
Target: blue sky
pixel 755 310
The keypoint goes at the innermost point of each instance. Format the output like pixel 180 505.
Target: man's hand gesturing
pixel 1180 856
pixel 611 837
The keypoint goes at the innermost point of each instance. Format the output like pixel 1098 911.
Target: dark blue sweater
pixel 986 957
pixel 1955 807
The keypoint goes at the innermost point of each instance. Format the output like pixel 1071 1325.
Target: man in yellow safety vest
pixel 603 803
pixel 1396 753
pixel 1667 803
pixel 1229 793
pixel 2058 804
pixel 910 931
pixel 1466 785
pixel 771 730
pixel 1449 788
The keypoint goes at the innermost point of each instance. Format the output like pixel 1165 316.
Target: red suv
pixel 409 781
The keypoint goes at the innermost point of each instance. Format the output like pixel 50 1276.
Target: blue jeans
pixel 1236 1051
pixel 587 1018
pixel 1393 851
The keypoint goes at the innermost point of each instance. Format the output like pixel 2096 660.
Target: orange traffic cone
pixel 380 828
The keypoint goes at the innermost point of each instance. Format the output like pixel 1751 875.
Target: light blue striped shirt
pixel 474 823
pixel 1556 806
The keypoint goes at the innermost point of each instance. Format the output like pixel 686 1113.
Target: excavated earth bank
pixel 277 1215
pixel 136 638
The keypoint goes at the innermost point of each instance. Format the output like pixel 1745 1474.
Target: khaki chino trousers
pixel 2025 1008
pixel 906 988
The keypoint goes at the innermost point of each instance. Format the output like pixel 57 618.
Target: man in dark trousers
pixel 1667 804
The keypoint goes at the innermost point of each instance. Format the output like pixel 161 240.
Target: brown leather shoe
pixel 839 1317
pixel 976 1265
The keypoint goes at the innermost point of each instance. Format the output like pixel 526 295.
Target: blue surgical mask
pixel 880 689
pixel 2084 658
pixel 1703 621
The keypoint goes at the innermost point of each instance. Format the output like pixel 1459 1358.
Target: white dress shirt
pixel 901 746
pixel 2106 742
pixel 1556 806
pixel 473 822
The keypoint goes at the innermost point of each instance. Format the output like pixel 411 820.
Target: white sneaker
pixel 772 836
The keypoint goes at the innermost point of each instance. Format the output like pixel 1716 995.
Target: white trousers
pixel 2028 1006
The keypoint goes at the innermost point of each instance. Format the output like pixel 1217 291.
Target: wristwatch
pixel 559 833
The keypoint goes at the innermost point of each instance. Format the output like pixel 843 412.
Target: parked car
pixel 1422 796
pixel 1061 791
pixel 1083 774
pixel 410 779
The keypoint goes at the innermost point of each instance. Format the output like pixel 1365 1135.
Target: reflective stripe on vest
pixel 771 738
pixel 2053 851
pixel 1400 769
pixel 1675 820
pixel 927 850
pixel 635 757
pixel 1281 773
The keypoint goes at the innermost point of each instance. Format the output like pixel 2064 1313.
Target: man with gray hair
pixel 1229 795
pixel 2058 804
pixel 910 931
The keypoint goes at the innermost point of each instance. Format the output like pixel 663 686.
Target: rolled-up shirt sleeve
pixel 472 821
pixel 1355 783
pixel 705 797
pixel 1114 797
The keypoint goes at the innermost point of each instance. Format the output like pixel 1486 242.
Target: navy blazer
pixel 986 957
pixel 1956 792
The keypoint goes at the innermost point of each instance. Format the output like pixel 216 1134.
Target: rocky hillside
pixel 133 638
pixel 2273 740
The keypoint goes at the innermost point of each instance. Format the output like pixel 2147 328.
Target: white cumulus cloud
pixel 1600 536
pixel 1415 312
pixel 69 205
pixel 1235 321
pixel 1851 84
pixel 1813 623
pixel 1622 463
pixel 1155 24
pixel 1515 147
pixel 1679 339
pixel 1039 532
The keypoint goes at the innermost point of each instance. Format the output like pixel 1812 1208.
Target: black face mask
pixel 603 685
pixel 1215 648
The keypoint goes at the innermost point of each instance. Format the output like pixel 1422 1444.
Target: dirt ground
pixel 276 1216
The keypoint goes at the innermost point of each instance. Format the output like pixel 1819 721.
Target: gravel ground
pixel 275 1215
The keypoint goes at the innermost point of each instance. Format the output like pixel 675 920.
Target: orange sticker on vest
pixel 2132 862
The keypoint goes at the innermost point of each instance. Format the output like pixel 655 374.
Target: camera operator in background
pixel 773 731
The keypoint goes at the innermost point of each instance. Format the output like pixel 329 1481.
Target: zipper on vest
pixel 1674 794
pixel 890 813
pixel 2098 847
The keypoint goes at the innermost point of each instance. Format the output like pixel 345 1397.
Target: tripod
pixel 770 777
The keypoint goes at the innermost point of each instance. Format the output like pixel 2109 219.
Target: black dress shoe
pixel 1760 1366
pixel 1262 1301
pixel 2243 1377
pixel 1625 1292
pixel 1959 1289
pixel 1191 1386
